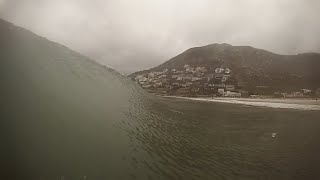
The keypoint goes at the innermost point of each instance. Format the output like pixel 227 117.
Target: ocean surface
pixel 119 132
pixel 214 140
pixel 64 117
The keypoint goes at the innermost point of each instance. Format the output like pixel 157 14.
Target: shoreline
pixel 298 104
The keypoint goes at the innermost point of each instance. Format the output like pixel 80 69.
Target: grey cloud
pixel 134 35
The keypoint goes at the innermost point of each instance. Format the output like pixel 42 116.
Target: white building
pixel 162 76
pixel 219 70
pixel 221 91
pixel 227 71
pixel 146 86
pixel 201 69
pixel 224 78
pixel 306 91
pixel 142 80
pixel 231 94
pixel 158 84
pixel 195 79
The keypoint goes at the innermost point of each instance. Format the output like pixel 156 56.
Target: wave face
pixel 65 117
pixel 63 114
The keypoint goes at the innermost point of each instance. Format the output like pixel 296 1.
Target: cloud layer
pixel 133 35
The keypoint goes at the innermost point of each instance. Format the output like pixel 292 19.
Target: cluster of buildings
pixel 201 81
pixel 190 81
pixel 294 94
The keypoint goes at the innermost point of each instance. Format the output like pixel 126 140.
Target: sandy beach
pixel 299 104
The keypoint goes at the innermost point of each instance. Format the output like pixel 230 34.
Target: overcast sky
pixel 131 35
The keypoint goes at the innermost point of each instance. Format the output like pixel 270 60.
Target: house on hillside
pixel 227 71
pixel 157 84
pixel 195 79
pixel 142 80
pixel 146 86
pixel 201 69
pixel 224 78
pixel 218 77
pixel 219 70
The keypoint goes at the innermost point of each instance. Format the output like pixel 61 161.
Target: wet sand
pixel 299 104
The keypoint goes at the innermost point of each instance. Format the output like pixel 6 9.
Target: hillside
pixel 251 67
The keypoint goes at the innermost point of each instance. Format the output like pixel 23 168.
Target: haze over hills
pixel 251 67
pixel 63 116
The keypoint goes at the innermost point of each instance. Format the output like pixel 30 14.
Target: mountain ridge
pixel 228 45
pixel 250 66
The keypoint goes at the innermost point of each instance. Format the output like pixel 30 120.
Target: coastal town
pixel 201 81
